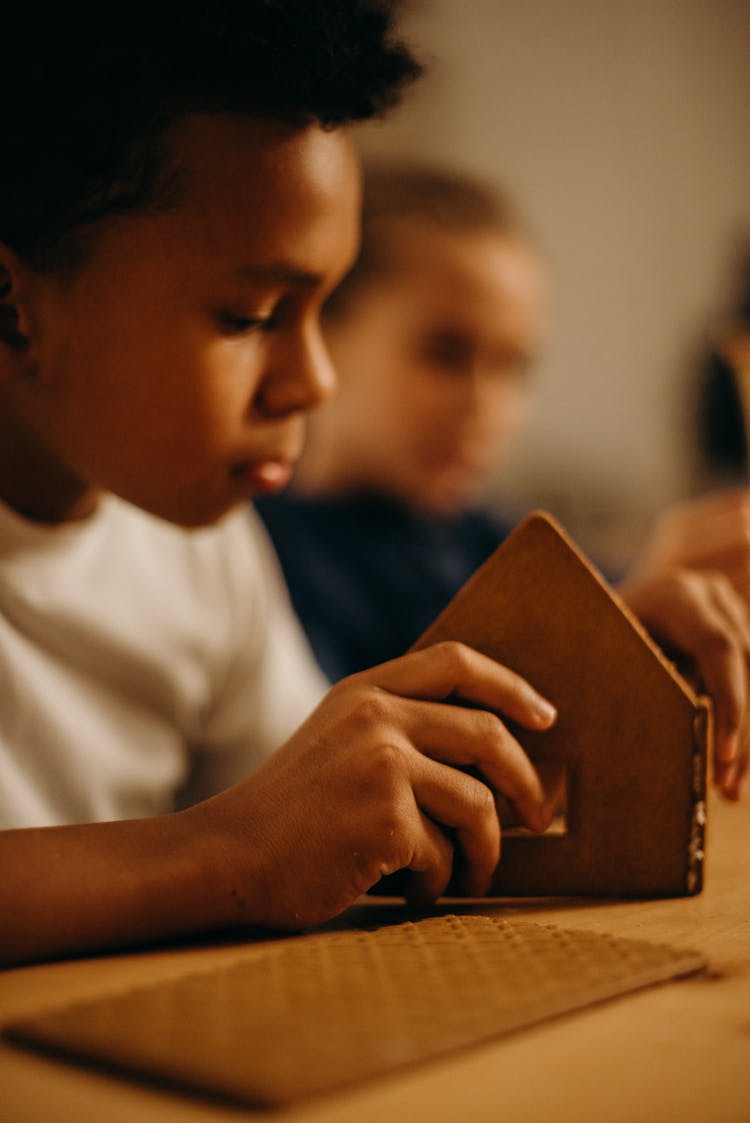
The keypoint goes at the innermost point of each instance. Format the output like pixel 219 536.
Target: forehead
pixel 483 280
pixel 259 187
pixel 475 261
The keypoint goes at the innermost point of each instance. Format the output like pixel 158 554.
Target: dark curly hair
pixel 88 92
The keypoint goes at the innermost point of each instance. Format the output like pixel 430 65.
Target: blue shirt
pixel 366 575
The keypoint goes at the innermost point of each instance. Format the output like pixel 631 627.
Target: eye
pixel 232 324
pixel 448 351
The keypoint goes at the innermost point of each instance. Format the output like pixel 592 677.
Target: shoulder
pixel 482 530
pixel 307 526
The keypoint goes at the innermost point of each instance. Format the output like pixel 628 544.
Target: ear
pixel 16 325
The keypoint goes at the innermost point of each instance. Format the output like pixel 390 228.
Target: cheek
pixel 183 399
pixel 373 390
pixel 205 392
pixel 439 399
pixel 509 412
pixel 417 406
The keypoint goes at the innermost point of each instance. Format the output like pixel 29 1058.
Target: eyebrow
pixel 281 273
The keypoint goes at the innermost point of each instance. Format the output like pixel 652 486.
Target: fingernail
pixel 545 711
pixel 545 815
pixel 727 749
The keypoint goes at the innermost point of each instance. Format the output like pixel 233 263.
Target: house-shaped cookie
pixel 631 733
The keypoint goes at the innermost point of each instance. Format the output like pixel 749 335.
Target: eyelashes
pixel 231 324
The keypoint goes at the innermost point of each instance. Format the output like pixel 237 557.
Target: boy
pixel 181 196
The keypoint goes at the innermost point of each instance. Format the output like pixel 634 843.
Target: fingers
pixel 467 806
pixel 439 806
pixel 733 563
pixel 710 536
pixel 736 569
pixel 702 616
pixel 722 660
pixel 730 606
pixel 431 865
pixel 458 736
pixel 735 776
pixel 460 803
pixel 451 669
pixel 418 745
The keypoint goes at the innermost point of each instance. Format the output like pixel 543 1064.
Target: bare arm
pixel 361 790
pixel 100 885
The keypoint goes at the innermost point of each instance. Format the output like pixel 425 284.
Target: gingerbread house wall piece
pixel 631 733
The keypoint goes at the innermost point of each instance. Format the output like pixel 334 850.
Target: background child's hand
pixel 710 533
pixel 367 787
pixel 701 621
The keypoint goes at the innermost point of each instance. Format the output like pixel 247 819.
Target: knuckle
pixel 482 801
pixel 490 728
pixel 387 768
pixel 369 706
pixel 672 587
pixel 455 655
pixel 720 585
pixel 700 589
pixel 392 823
pixel 347 683
pixel 690 584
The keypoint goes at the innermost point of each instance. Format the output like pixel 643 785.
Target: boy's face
pixel 433 359
pixel 175 366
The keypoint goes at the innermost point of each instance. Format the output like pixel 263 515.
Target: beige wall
pixel 623 126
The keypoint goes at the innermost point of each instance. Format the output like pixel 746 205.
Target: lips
pixel 259 477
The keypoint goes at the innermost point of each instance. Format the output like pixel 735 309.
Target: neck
pixel 33 481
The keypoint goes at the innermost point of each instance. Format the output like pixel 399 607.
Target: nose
pixel 495 402
pixel 471 390
pixel 487 400
pixel 300 374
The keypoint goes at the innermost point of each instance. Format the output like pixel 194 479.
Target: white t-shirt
pixel 142 666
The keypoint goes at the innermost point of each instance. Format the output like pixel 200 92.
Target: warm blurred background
pixel 621 127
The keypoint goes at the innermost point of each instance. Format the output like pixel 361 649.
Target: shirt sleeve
pixel 272 681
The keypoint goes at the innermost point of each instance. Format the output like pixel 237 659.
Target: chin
pixel 446 494
pixel 444 504
pixel 190 516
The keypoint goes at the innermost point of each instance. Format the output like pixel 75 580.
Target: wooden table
pixel 678 1052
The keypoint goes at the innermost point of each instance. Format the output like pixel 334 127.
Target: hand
pixel 710 533
pixel 368 786
pixel 702 622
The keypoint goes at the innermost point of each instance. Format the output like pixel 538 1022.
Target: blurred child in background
pixel 434 333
